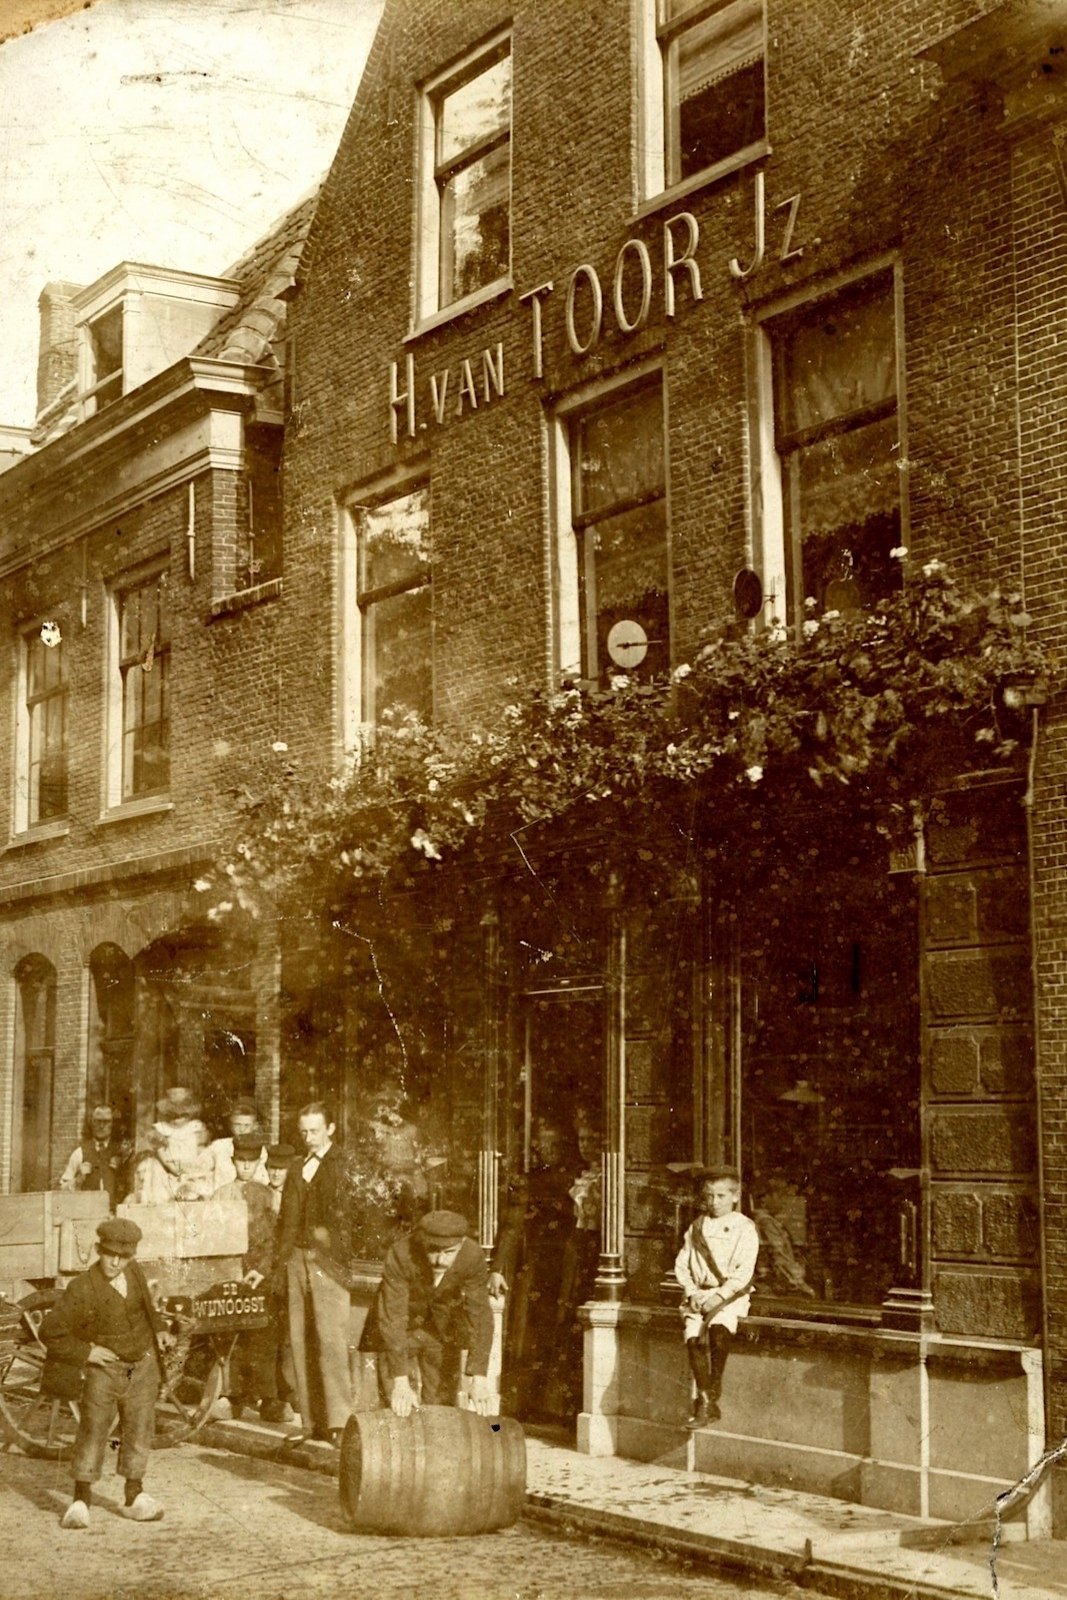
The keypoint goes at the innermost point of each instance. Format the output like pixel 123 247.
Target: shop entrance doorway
pixel 550 1238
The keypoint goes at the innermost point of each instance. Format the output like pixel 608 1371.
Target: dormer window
pixel 137 321
pixel 105 355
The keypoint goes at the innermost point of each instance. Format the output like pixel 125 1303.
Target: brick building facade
pixel 603 305
pixel 139 581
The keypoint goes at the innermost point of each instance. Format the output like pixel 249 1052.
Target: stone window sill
pixel 459 308
pixel 148 806
pixel 242 599
pixel 40 834
pixel 704 180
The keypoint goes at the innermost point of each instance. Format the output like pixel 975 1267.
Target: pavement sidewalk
pixel 818 1543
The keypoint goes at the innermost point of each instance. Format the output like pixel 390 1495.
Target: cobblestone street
pixel 238 1526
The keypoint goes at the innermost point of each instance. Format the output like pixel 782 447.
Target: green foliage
pixel 882 705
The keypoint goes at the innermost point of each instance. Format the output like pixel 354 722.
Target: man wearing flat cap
pixel 432 1304
pixel 103 1342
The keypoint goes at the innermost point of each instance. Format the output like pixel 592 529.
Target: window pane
pixel 475 111
pixel 621 451
pixel 399 660
pixel 849 510
pixel 130 625
pixel 629 559
pixel 396 540
pixel 839 361
pixel 831 1075
pixel 105 336
pixel 716 86
pixel 475 225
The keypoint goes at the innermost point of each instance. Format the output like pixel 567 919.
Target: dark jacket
pixel 88 1312
pixel 321 1204
pixel 109 1166
pixel 456 1312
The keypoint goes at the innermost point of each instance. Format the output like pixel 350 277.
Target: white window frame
pixel 569 622
pixel 20 799
pixel 115 803
pixel 655 183
pixel 428 307
pixel 766 489
pixel 354 732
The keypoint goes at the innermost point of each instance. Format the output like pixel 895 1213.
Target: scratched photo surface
pixel 531 938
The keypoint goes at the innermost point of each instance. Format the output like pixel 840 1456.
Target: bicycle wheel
pixel 192 1382
pixel 38 1424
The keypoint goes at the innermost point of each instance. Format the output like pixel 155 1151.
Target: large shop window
pixel 396 608
pixel 144 670
pixel 830 1079
pixel 45 743
pixel 709 91
pixel 837 442
pixel 466 180
pixel 35 1049
pixel 617 547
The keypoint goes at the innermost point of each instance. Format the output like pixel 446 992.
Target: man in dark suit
pixel 432 1304
pixel 102 1160
pixel 312 1256
pixel 103 1338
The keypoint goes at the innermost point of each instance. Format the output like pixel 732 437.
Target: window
pixel 836 440
pixel 396 607
pixel 466 180
pixel 260 549
pixel 105 354
pixel 705 89
pixel 144 670
pixel 35 1046
pixel 617 541
pixel 44 743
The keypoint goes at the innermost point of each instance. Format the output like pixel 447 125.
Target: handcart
pixel 191 1253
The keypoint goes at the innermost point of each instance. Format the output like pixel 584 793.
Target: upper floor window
pixel 259 552
pixel 144 675
pixel 106 358
pixel 614 577
pixel 836 435
pixel 396 607
pixel 704 87
pixel 45 738
pixel 465 181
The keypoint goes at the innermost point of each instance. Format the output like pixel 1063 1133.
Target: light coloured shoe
pixel 221 1411
pixel 144 1509
pixel 75 1516
pixel 288 1414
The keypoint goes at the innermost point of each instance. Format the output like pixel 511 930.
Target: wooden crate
pixel 32 1229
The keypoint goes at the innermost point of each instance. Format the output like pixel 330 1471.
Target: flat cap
pixel 280 1155
pixel 442 1227
pixel 118 1236
pixel 247 1149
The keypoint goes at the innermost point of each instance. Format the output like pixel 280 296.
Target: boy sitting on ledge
pixel 715 1267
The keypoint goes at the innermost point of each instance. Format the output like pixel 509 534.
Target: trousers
pixel 433 1368
pixel 707 1359
pixel 318 1337
pixel 128 1391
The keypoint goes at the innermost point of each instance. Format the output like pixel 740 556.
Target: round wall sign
pixel 627 643
pixel 748 594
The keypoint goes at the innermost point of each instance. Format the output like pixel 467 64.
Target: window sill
pixel 149 805
pixel 459 308
pixel 40 834
pixel 242 599
pixel 703 180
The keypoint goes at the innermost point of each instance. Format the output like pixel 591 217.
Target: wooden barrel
pixel 437 1473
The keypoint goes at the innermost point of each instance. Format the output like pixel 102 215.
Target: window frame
pixel 23 821
pixel 772 477
pixel 659 178
pixel 117 796
pixel 357 728
pixel 432 175
pixel 574 624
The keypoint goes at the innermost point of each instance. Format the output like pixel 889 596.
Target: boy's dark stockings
pixel 707 1358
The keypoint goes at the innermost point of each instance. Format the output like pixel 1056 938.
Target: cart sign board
pixel 224 1308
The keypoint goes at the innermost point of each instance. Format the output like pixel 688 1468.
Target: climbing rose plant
pixel 869 702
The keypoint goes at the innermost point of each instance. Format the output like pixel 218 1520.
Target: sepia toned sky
pixel 171 132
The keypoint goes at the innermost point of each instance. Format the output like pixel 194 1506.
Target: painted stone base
pixel 913 1423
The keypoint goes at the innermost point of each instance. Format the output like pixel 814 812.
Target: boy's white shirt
pixel 733 1243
